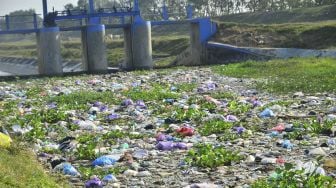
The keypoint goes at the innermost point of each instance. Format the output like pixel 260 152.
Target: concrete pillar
pixel 138 46
pixel 197 48
pixel 128 60
pixel 49 51
pixel 94 49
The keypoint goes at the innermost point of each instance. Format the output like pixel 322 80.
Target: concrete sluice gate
pixel 137 47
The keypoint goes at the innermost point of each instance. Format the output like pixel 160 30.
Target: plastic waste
pixel 169 101
pixel 110 178
pixel 124 146
pixel 104 161
pixel 67 169
pixel 239 130
pixel 202 185
pixel 56 162
pixel 268 160
pixel 130 172
pixel 141 104
pixel 231 118
pixel 274 134
pixel 317 151
pixel 211 86
pixel 280 160
pixel 256 103
pixel 20 130
pixel 94 183
pixel 163 137
pixel 331 142
pixel 310 167
pixel 280 127
pixel 186 131
pixel 113 116
pixel 140 154
pixel 165 146
pixel 52 105
pixel 181 146
pixel 87 125
pixel 127 102
pixel 267 113
pixel 287 144
pixel 5 140
pixel 144 174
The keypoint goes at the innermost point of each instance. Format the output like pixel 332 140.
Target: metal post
pixel 7 22
pixel 122 20
pixel 91 7
pixel 136 5
pixel 45 8
pixel 35 20
pixel 189 11
pixel 165 15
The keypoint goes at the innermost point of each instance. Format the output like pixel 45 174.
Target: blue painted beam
pixel 111 26
pixel 84 16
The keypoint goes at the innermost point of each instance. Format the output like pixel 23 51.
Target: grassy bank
pixel 317 35
pixel 320 13
pixel 19 168
pixel 308 75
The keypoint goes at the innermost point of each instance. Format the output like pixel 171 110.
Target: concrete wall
pixel 49 51
pixel 138 46
pixel 218 53
pixel 94 49
pixel 29 66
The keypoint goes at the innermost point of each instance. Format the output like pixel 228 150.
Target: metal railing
pixel 15 22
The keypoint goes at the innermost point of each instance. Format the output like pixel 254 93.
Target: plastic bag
pixel 5 140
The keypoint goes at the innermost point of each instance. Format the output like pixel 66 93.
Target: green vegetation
pixel 310 126
pixel 230 135
pixel 214 127
pixel 289 177
pixel 282 76
pixel 158 92
pixel 318 13
pixel 81 99
pixel 315 35
pixel 236 107
pixel 190 114
pixel 87 172
pixel 223 95
pixel 206 155
pixel 19 168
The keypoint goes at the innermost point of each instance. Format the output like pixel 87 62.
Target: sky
pixel 7 6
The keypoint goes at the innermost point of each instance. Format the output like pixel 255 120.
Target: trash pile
pixel 168 128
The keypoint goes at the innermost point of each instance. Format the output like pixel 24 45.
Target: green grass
pixel 312 35
pixel 19 168
pixel 214 127
pixel 309 75
pixel 81 99
pixel 288 176
pixel 208 156
pixel 319 13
